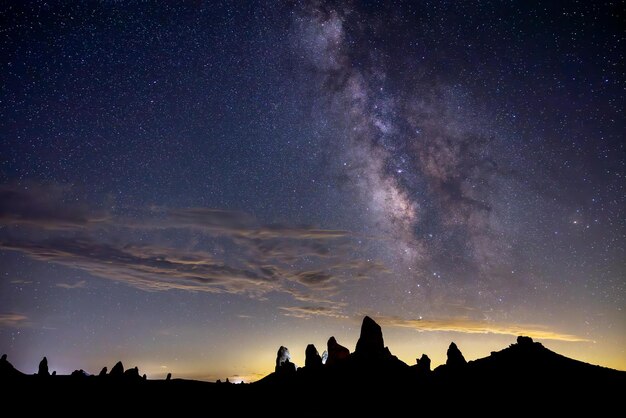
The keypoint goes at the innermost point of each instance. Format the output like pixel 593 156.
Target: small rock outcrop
pixel 6 368
pixel 103 372
pixel 79 373
pixel 132 373
pixel 523 341
pixel 423 365
pixel 312 357
pixel 336 352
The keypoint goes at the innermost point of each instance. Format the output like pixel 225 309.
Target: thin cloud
pixel 313 296
pixel 313 278
pixel 78 285
pixel 470 326
pixel 238 224
pixel 363 265
pixel 287 249
pixel 307 312
pixel 239 255
pixel 146 268
pixel 152 268
pixel 13 320
pixel 21 281
pixel 44 206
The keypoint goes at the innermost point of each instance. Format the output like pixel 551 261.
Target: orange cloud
pixel 45 223
pixel 12 319
pixel 78 285
pixel 471 326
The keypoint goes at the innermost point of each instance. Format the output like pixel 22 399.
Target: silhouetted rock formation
pixel 117 370
pixel 372 360
pixel 7 370
pixel 282 356
pixel 312 357
pixel 284 366
pixel 43 368
pixel 169 377
pixel 422 365
pixel 287 368
pixel 370 344
pixel 524 341
pixel 358 384
pixel 103 372
pixel 132 373
pixel 455 357
pixel 79 373
pixel 336 353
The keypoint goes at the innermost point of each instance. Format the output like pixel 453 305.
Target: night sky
pixel 186 186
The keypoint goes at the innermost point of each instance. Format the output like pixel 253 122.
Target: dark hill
pixel 527 357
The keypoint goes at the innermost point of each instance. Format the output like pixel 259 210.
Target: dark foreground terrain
pixel 525 378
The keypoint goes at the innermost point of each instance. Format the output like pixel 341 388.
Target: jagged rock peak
pixel 455 357
pixel 117 370
pixel 371 343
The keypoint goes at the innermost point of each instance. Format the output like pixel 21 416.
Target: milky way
pixel 190 186
pixel 425 169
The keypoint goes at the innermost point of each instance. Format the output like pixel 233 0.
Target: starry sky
pixel 186 186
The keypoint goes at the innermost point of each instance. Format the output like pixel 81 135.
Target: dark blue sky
pixel 173 175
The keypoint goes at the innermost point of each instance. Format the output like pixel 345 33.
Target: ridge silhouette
pixel 367 382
